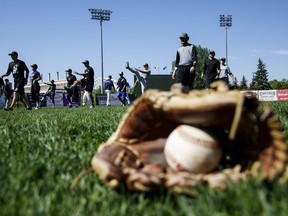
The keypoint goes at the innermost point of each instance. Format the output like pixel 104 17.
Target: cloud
pixel 281 52
pixel 266 52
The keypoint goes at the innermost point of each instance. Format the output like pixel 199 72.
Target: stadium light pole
pixel 226 21
pixel 102 15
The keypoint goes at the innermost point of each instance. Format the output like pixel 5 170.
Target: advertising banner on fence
pixel 282 94
pixel 267 95
pixel 74 103
pixel 58 99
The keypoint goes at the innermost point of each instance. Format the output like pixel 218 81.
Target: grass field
pixel 42 151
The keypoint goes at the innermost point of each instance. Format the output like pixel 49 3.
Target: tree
pixel 260 77
pixel 275 84
pixel 243 84
pixel 202 55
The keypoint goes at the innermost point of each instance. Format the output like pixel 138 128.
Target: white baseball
pixel 190 149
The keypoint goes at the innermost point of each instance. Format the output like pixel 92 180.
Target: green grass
pixel 42 151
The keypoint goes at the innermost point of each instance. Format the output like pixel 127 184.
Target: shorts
pixel 19 85
pixel 185 77
pixel 121 94
pixel 89 86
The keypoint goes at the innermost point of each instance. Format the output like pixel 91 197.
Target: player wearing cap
pixel 121 87
pixel 185 65
pixel 109 85
pixel 211 69
pixel 17 68
pixel 72 88
pixel 35 87
pixel 225 72
pixel 141 74
pixel 88 82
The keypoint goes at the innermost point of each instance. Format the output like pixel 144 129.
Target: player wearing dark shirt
pixel 88 82
pixel 72 90
pixel 50 92
pixel 17 68
pixel 121 87
pixel 35 87
pixel 211 69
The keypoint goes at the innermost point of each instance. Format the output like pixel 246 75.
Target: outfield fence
pixel 269 95
pixel 100 99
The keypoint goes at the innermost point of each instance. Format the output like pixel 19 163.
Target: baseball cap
pixel 212 52
pixel 184 35
pixel 146 65
pixel 121 73
pixel 69 70
pixel 34 66
pixel 13 53
pixel 85 62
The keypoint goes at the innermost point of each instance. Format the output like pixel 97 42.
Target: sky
pixel 60 34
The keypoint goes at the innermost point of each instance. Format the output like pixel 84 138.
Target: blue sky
pixel 59 34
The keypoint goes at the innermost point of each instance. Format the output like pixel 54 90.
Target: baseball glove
pixel 250 135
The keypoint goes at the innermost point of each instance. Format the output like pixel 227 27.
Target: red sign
pixel 282 94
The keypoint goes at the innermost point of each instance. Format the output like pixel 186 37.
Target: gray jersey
pixel 186 55
pixel 224 71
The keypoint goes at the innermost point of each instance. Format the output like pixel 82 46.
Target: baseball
pixel 190 149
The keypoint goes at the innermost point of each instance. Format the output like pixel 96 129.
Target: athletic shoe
pixel 127 65
pixel 29 108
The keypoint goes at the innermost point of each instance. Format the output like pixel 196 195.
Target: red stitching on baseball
pixel 179 165
pixel 186 136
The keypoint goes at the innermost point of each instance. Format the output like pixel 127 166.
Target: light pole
pixel 226 22
pixel 102 15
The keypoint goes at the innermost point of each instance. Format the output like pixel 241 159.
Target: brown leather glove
pixel 251 138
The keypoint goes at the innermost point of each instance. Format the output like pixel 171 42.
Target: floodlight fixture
pixel 102 15
pixel 226 22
